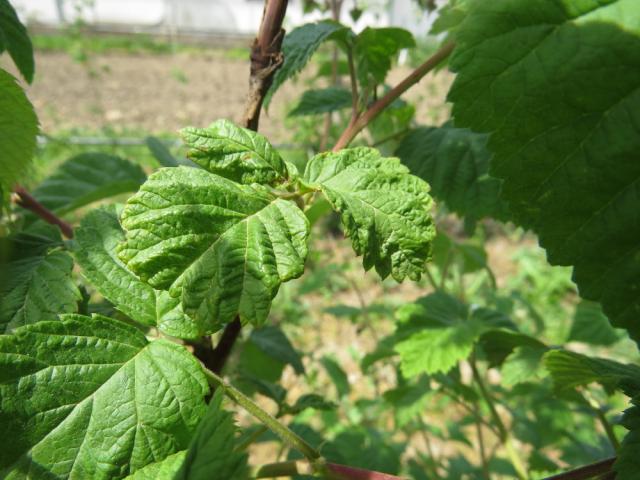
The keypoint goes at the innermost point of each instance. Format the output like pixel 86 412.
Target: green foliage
pixel 15 40
pixel 298 47
pixel 88 178
pixel 547 131
pixel 36 288
pixel 161 153
pixel 230 246
pixel 322 100
pixel 234 152
pixel 163 470
pixel 628 463
pixel 455 163
pixel 18 130
pixel 213 453
pixel 272 341
pixel 70 387
pixel 384 210
pixel 373 50
pixel 591 326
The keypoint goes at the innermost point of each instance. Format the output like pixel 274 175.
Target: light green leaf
pixel 384 210
pixel 163 470
pixel 374 50
pixel 591 326
pixel 556 83
pixel 522 365
pixel 92 398
pixel 97 239
pixel 18 130
pixel 322 100
pixel 36 288
pixel 438 332
pixel 569 369
pixel 234 152
pixel 628 462
pixel 14 39
pixel 455 162
pixel 212 453
pixel 87 178
pixel 272 341
pixel 297 48
pixel 224 248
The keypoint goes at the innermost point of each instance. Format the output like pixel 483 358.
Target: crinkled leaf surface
pixel 455 163
pixel 234 152
pixel 14 39
pixel 322 100
pixel 35 288
pixel 87 178
pixel 163 470
pixel 212 453
pixel 556 83
pixel 89 397
pixel 374 50
pixel 18 130
pixel 225 248
pixel 97 240
pixel 384 209
pixel 297 48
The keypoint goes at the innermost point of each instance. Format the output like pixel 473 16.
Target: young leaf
pixel 90 397
pixel 272 341
pixel 455 163
pixel 18 130
pixel 384 210
pixel 36 288
pixel 323 100
pixel 163 470
pixel 234 152
pixel 224 248
pixel 374 50
pixel 97 239
pixel 14 39
pixel 87 178
pixel 556 84
pixel 297 48
pixel 212 453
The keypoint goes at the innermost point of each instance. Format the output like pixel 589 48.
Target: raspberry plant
pixel 544 133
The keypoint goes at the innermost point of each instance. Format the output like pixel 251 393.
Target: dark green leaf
pixel 234 152
pixel 297 48
pixel 628 462
pixel 310 400
pixel 374 50
pixel 455 163
pixel 222 247
pixel 591 326
pixel 161 153
pixel 337 375
pixel 212 453
pixel 557 86
pixel 322 101
pixel 90 397
pixel 36 288
pixel 87 178
pixel 272 341
pixel 384 210
pixel 14 39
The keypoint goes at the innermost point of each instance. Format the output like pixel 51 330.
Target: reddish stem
pixel 588 471
pixel 351 473
pixel 26 200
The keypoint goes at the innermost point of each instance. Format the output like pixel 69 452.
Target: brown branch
pixel 26 200
pixel 374 110
pixel 602 467
pixel 266 58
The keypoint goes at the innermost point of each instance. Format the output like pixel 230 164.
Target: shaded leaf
pixel 15 40
pixel 337 375
pixel 322 100
pixel 70 387
pixel 374 50
pixel 592 326
pixel 272 341
pixel 628 462
pixel 310 400
pixel 222 247
pixel 161 153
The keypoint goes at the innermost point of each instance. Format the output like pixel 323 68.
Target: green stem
pixel 252 438
pixel 602 418
pixel 505 436
pixel 287 436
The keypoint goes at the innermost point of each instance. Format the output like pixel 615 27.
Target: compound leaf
pixel 14 39
pixel 297 48
pixel 374 50
pixel 87 178
pixel 90 397
pixel 322 100
pixel 212 453
pixel 455 163
pixel 36 288
pixel 556 84
pixel 224 248
pixel 18 130
pixel 97 239
pixel 384 210
pixel 234 152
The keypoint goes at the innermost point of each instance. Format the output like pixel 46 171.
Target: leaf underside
pixel 556 83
